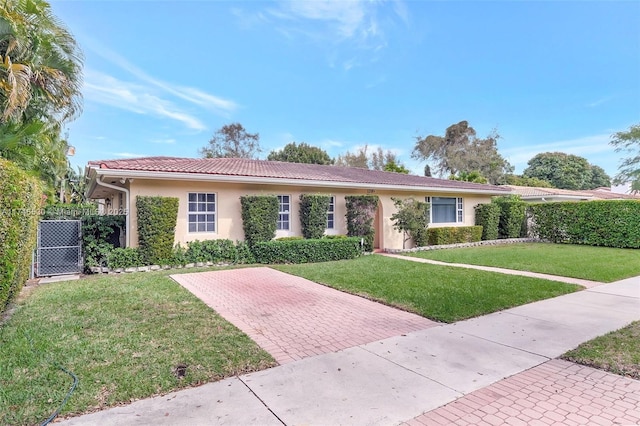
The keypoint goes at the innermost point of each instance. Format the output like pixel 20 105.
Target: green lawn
pixel 602 264
pixel 442 293
pixel 122 336
pixel 617 352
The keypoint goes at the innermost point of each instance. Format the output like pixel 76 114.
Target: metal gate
pixel 59 249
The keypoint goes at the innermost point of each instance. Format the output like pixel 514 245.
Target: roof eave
pixel 205 177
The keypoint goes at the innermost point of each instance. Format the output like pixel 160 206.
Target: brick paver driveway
pixel 293 318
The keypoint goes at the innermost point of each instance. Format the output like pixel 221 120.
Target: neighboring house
pixel 537 195
pixel 209 191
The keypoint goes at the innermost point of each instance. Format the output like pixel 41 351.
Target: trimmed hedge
pixel 123 258
pixel 488 216
pixel 307 251
pixel 157 217
pixel 20 203
pixel 259 217
pixel 454 235
pixel 512 216
pixel 313 215
pixel 361 210
pixel 608 223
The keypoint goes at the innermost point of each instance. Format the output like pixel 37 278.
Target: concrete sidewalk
pixel 403 378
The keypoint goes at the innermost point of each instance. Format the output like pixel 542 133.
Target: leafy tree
pixel 302 153
pixel 566 171
pixel 519 180
pixel 629 169
pixel 412 219
pixel 376 160
pixel 392 166
pixel 358 158
pixel 472 176
pixel 460 150
pixel 232 141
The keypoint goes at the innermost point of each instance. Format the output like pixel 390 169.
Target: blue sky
pixel 161 76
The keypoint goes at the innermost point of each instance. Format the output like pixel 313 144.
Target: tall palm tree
pixel 40 64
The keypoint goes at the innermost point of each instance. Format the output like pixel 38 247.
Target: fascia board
pixel 140 174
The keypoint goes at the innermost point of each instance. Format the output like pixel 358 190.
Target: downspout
pixel 126 193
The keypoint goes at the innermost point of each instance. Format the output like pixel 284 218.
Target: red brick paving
pixel 554 393
pixel 293 318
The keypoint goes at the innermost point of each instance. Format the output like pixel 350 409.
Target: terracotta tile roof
pixel 593 194
pixel 282 170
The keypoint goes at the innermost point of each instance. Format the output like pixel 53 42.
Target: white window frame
pixel 280 226
pixel 331 213
pixel 197 208
pixel 459 209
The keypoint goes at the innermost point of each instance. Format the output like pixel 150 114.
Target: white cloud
pixel 108 90
pixel 599 102
pixel 164 141
pixel 332 23
pixel 192 95
pixel 128 155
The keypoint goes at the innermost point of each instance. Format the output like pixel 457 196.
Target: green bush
pixel 411 218
pixel 307 251
pixel 294 237
pixel 610 223
pixel 313 215
pixel 488 216
pixel 123 258
pixel 99 237
pixel 259 217
pixel 157 217
pixel 454 235
pixel 334 237
pixel 216 251
pixel 361 210
pixel 20 202
pixel 512 216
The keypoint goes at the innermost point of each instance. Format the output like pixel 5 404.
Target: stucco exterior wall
pixel 228 216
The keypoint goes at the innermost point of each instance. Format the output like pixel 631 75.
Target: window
pixel 202 212
pixel 284 202
pixel 446 209
pixel 331 212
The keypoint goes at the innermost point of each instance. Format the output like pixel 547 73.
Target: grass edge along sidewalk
pixel 440 293
pixel 126 337
pixel 604 264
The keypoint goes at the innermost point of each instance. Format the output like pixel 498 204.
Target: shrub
pixel 307 251
pixel 216 251
pixel 610 223
pixel 20 203
pixel 100 235
pixel 313 214
pixel 454 235
pixel 157 218
pixel 294 237
pixel 259 217
pixel 123 258
pixel 361 210
pixel 488 216
pixel 411 218
pixel 334 237
pixel 512 216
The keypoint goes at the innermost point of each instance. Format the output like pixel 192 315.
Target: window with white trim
pixel 331 213
pixel 284 203
pixel 202 212
pixel 446 209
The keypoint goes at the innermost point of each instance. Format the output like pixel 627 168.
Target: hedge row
pixel 259 217
pixel 313 214
pixel 512 214
pixel 361 210
pixel 304 251
pixel 157 217
pixel 20 203
pixel 454 235
pixel 488 216
pixel 611 223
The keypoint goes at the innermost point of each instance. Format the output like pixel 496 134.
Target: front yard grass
pixel 603 264
pixel 441 293
pixel 123 336
pixel 617 352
